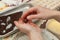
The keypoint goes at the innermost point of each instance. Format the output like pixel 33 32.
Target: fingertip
pixel 32 17
pixel 29 18
pixel 16 23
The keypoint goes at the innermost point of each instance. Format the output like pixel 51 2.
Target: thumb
pixel 16 23
pixel 33 17
pixel 19 25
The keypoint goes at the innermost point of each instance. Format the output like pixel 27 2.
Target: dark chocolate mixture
pixel 7 22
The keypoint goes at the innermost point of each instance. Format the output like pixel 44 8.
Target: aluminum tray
pixel 23 8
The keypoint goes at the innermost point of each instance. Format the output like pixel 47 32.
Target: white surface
pixel 46 36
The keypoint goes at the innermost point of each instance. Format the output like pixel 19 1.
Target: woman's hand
pixel 31 29
pixel 27 27
pixel 41 13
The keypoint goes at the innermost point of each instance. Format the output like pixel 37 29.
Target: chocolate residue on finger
pixel 31 13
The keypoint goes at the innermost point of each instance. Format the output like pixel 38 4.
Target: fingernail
pixel 15 22
pixel 28 17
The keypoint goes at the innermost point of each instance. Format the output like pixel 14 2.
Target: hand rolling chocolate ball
pixel 32 13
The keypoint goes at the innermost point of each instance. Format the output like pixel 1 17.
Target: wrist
pixel 34 35
pixel 57 16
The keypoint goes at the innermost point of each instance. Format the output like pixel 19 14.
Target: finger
pixel 34 25
pixel 16 23
pixel 33 17
pixel 28 12
pixel 20 20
